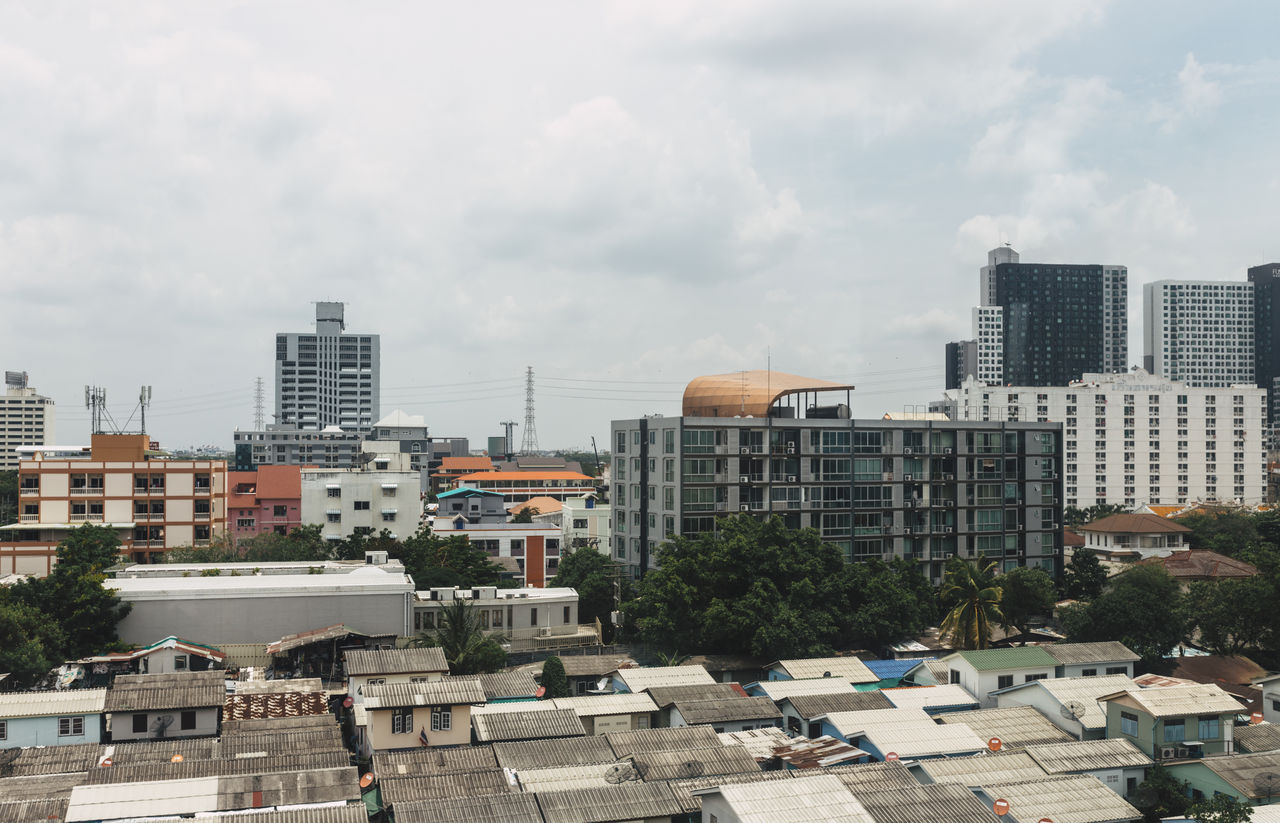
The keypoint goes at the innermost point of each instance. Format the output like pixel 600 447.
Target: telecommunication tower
pixel 257 405
pixel 529 444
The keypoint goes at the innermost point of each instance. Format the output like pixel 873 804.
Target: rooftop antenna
pixel 257 405
pixel 529 444
pixel 144 400
pixel 509 449
pixel 95 400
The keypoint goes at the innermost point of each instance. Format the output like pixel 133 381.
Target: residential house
pixel 727 714
pixel 408 715
pixel 1174 722
pixel 55 718
pixel 586 521
pixel 1198 565
pixel 172 654
pixel 535 547
pixel 800 711
pixel 1118 764
pixel 475 506
pixel 1257 737
pixel 639 679
pixel 777 690
pixel 1135 536
pixel 519 486
pixel 1250 778
pixel 590 672
pixel 611 712
pixel 850 669
pixel 1092 659
pixel 179 704
pixel 891 672
pixel 929 671
pixel 377 667
pixel 948 697
pixel 346 502
pixel 498 727
pixel 988 767
pixel 1270 686
pixel 1014 727
pixel 528 617
pixel 265 501
pixel 984 671
pixel 820 799
pixel 509 687
pixel 1077 797
pixel 901 734
pixel 666 697
pixel 451 468
pixel 1070 703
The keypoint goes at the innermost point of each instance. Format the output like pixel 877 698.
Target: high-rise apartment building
pixel 26 419
pixel 327 378
pixel 1045 324
pixel 1266 328
pixel 1199 332
pixel 1133 439
pixel 921 489
pixel 962 361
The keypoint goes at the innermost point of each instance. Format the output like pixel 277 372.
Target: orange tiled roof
pixel 544 505
pixel 449 465
pixel 279 482
pixel 1202 563
pixel 1165 511
pixel 1134 524
pixel 1070 538
pixel 524 476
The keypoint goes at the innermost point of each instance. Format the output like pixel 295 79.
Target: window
pixel 1209 729
pixel 1175 731
pixel 70 726
pixel 497 618
pixel 139 724
pixel 280 511
pixel 1004 681
pixel 1118 670
pixel 441 718
pixel 533 617
pixel 1090 673
pixel 333 517
pixel 579 523
pixel 180 662
pixel 187 721
pixel 566 615
pixel 361 505
pixel 4 729
pixel 1033 677
pixel 955 676
pixel 402 721
pixel 334 491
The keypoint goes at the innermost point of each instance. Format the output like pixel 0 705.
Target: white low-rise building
pixel 534 546
pixel 346 502
pixel 1135 438
pixel 513 614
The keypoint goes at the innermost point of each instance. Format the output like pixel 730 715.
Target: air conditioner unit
pixel 1183 752
pixel 791 478
pixel 948 477
pixel 1167 752
pixel 745 507
pixel 742 478
pixel 948 451
pixel 744 450
pixel 908 478
pixel 1018 527
pixel 544 632
pixel 906 531
pixel 948 530
pixel 908 451
pixel 791 449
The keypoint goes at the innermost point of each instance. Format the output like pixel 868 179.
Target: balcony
pixel 85 517
pixel 201 515
pixel 202 490
pixel 86 491
pixel 29 491
pixel 142 491
pixel 29 518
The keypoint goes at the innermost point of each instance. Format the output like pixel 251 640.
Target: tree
pixel 1161 795
pixel 436 562
pixel 1073 517
pixel 1232 616
pixel 592 575
pixel 554 679
pixel 1084 577
pixel 1026 594
pixel 1221 808
pixel 971 596
pixel 466 646
pixel 1230 533
pixel 8 496
pixel 30 643
pixel 1142 608
pixel 756 587
pixel 525 515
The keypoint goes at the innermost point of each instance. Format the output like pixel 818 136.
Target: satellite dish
pixel 691 768
pixel 366 780
pixel 106 761
pixel 177 758
pixel 994 744
pixel 1073 710
pixel 161 723
pixel 603 684
pixel 348 702
pixel 541 692
pixel 1267 784
pixel 620 773
pixel 890 757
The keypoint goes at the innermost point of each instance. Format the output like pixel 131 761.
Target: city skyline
pixel 183 182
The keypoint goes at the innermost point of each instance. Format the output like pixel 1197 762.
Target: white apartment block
pixel 26 419
pixel 1115 319
pixel 988 330
pixel 1199 332
pixel 344 502
pixel 1132 439
pixel 327 378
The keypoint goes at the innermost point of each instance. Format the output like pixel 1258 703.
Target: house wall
pixel 357 683
pixel 982 684
pixel 1204 782
pixel 1151 732
pixel 1097 669
pixel 398 510
pixel 163 661
pixel 1271 702
pixel 381 738
pixel 1049 706
pixel 120 724
pixel 676 720
pixel 517 614
pixel 605 723
pixel 43 731
pixel 715 807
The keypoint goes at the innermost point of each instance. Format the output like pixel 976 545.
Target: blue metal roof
pixel 467 491
pixel 889 669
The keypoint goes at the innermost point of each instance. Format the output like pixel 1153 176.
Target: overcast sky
pixel 623 195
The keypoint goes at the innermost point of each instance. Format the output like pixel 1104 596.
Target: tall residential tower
pixel 327 378
pixel 1199 332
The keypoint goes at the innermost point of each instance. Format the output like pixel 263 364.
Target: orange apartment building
pixel 153 503
pixel 519 486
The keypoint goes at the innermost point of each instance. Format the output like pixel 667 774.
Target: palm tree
pixel 973 597
pixel 466 646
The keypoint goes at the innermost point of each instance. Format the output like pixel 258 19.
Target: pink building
pixel 262 501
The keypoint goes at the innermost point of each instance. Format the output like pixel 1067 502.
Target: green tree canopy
pixel 554 679
pixel 1233 616
pixel 1221 808
pixel 971 597
pixel 1230 533
pixel 1027 594
pixel 1161 795
pixel 756 587
pixel 1142 608
pixel 466 646
pixel 1073 517
pixel 433 561
pixel 593 575
pixel 1083 578
pixel 525 515
pixel 30 643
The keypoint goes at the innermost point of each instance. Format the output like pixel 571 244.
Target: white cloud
pixel 1041 140
pixel 1197 94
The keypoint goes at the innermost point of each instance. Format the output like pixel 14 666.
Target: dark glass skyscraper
pixel 1266 328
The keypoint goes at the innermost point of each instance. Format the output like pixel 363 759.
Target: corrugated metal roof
pixel 639 679
pixel 590 665
pixel 33 811
pixel 564 778
pixel 1072 799
pixel 160 751
pixel 41 787
pixel 938 803
pixel 43 704
pixel 506 685
pixel 759 743
pixel 526 726
pixel 449 691
pixel 778 689
pixel 1016 726
pixel 1020 657
pixel 870 777
pixel 278 724
pixel 662 740
pixel 845 668
pixel 289 788
pixel 151 799
pixel 569 751
pixel 908 732
pixel 810 706
pixel 187 769
pixel 328 738
pixel 1082 692
pixel 728 711
pixel 1240 770
pixel 281 686
pixel 948 695
pixel 1089 755
pixel 1263 737
pixel 1110 651
pixel 821 799
pixel 820 752
pixel 1174 701
pixel 689 763
pixel 628 801
pixel 664 696
pixel 889 669
pixel 77 757
pixel 607 704
pixel 684 789
pixel 420 762
pixel 1008 767
pixel 300 639
pixel 278 704
pixel 494 808
pixel 457 784
pixel 176 690
pixel 395 661
pixel 321 814
pixel 516 707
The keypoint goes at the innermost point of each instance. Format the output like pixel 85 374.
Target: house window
pixel 180 662
pixel 1175 731
pixel 333 517
pixel 579 523
pixel 566 615
pixel 361 505
pixel 533 617
pixel 280 511
pixel 139 724
pixel 70 726
pixel 1032 677
pixel 1209 729
pixel 497 618
pixel 401 721
pixel 1118 670
pixel 335 492
pixel 1004 681
pixel 955 676
pixel 4 729
pixel 187 721
pixel 1090 673
pixel 1129 724
pixel 441 718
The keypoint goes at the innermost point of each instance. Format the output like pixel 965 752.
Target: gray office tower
pixel 1059 320
pixel 327 377
pixel 1266 329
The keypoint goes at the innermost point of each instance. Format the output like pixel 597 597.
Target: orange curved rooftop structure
pixel 747 393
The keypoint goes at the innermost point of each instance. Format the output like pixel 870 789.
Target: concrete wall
pixel 1098 669
pixel 357 682
pixel 120 725
pixel 43 731
pixel 381 738
pixel 982 684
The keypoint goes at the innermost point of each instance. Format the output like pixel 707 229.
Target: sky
pixel 622 194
